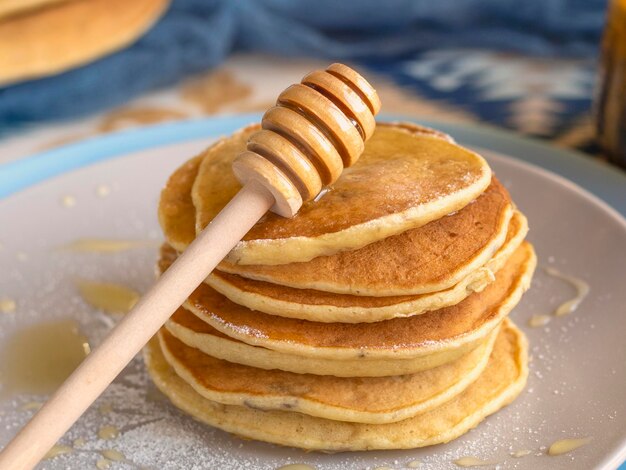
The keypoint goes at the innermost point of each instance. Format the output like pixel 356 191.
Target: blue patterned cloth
pixel 532 95
pixel 195 35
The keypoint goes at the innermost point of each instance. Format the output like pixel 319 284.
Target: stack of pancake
pixel 374 319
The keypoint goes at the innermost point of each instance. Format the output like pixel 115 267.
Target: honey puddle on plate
pixel 106 296
pixel 103 190
pixel 538 320
pixel 31 405
pixel 79 442
pixel 104 245
pixel 582 289
pixel 7 305
pixel 37 359
pixel 296 466
pixel 567 307
pixel 68 201
pixel 108 432
pixel 103 464
pixel 113 455
pixel 564 446
pixel 105 408
pixel 57 450
pixel 472 462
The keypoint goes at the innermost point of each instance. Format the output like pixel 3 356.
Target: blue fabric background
pixel 195 35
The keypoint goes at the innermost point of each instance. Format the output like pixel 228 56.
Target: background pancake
pixel 13 7
pixel 502 380
pixel 403 180
pixel 440 331
pixel 45 41
pixel 430 258
pixel 361 400
pixel 308 304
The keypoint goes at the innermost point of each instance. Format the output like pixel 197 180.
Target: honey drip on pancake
pixel 39 358
pixel 582 289
pixel 321 194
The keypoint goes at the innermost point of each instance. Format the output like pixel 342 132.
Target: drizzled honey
pixel 37 359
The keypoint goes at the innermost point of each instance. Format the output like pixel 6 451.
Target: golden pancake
pixel 427 259
pixel 360 400
pixel 177 215
pixel 315 305
pixel 198 334
pixel 419 335
pixel 46 41
pixel 402 180
pixel 499 384
pixel 436 337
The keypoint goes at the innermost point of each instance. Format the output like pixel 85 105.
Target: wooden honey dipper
pixel 317 128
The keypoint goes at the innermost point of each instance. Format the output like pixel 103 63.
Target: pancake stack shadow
pixel 377 318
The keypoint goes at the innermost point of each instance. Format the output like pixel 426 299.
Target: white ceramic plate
pixel 577 384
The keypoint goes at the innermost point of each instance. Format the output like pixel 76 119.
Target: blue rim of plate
pixel 601 181
pixel 599 178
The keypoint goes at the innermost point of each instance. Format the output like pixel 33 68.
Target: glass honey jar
pixel 611 93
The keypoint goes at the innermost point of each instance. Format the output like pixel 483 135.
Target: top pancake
pixel 427 259
pixel 177 214
pixel 404 179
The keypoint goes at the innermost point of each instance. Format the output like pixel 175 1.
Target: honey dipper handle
pixel 105 362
